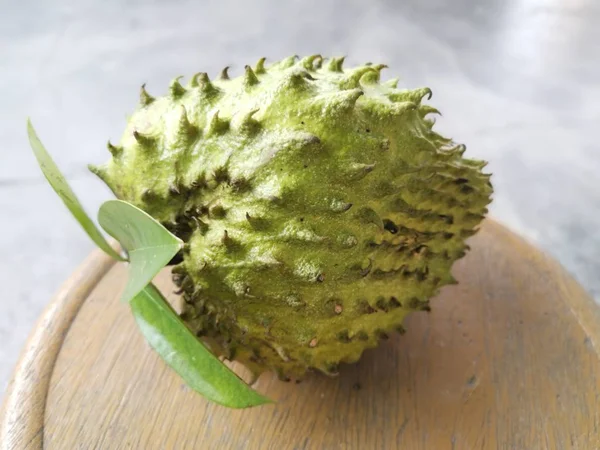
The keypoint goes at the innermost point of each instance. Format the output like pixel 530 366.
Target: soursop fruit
pixel 317 204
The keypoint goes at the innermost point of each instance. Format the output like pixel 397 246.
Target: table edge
pixel 23 410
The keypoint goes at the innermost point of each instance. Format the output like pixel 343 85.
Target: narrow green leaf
pixel 64 191
pixel 185 354
pixel 150 245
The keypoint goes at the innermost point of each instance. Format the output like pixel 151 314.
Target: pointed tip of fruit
pixel 142 139
pixel 310 62
pixel 203 83
pixel 351 96
pixel 145 98
pixel 185 129
pixel 224 75
pixel 249 125
pixel 318 62
pixel 358 171
pixel 216 125
pixel 426 109
pixel 369 78
pixel 288 62
pixel 260 66
pixel 201 79
pixel 392 83
pixel 250 78
pixel 297 80
pixel 176 89
pixel 340 102
pixel 336 64
pixel 113 149
pixel 380 67
pixel 99 171
pixel 419 94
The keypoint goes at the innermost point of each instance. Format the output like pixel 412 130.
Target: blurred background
pixel 518 81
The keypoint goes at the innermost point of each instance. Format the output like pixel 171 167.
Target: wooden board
pixel 507 359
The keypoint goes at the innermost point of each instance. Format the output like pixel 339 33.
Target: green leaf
pixel 150 245
pixel 185 354
pixel 64 191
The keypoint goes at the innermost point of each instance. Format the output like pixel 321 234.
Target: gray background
pixel 517 80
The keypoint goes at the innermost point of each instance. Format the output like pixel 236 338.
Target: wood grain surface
pixel 22 413
pixel 507 359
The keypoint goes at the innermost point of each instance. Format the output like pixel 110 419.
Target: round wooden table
pixel 506 359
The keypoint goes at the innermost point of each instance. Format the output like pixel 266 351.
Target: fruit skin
pixel 317 204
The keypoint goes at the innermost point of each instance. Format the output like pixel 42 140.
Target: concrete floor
pixel 517 80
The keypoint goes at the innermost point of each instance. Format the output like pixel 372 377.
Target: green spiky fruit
pixel 317 204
